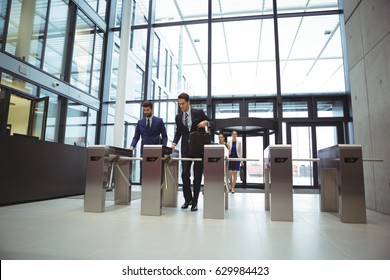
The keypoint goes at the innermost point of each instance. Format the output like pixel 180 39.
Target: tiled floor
pixel 60 229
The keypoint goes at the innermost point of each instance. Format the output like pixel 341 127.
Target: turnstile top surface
pixel 270 147
pixel 341 146
pixel 111 150
pixel 214 146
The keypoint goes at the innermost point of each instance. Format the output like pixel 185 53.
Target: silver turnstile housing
pixel 214 178
pixel 347 160
pixel 277 158
pixel 152 179
pixel 101 164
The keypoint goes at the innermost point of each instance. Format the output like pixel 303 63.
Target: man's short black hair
pixel 184 96
pixel 148 104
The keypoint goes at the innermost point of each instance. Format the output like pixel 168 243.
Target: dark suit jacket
pixel 150 136
pixel 182 131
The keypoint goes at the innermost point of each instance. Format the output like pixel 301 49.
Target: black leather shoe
pixel 194 208
pixel 185 205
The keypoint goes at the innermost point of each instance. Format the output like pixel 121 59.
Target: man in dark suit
pixel 187 121
pixel 151 129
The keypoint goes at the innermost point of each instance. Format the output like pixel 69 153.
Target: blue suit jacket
pixel 150 136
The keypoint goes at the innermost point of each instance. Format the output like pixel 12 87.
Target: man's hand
pixel 203 124
pixel 131 148
pixel 173 146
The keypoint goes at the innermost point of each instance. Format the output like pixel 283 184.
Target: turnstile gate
pixel 101 164
pixel 347 164
pixel 278 162
pixel 214 178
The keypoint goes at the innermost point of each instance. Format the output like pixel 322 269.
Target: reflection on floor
pixel 60 229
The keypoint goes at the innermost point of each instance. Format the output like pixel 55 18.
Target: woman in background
pixel 235 151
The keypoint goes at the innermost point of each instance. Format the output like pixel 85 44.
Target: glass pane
pixel 19 84
pixel 288 6
pixel 330 109
pixel 188 46
pixel 91 133
pixel 138 92
pixel 232 8
pixel 243 62
pixel 301 141
pixel 254 169
pixel 53 116
pixel 261 109
pixel 3 9
pixel 101 9
pixel 141 11
pixel 26 30
pixel 97 63
pixel 139 44
pixel 199 107
pixel 326 136
pixel 83 53
pixel 172 10
pixel 118 14
pixel 110 135
pixel 55 42
pixel 311 59
pixel 93 4
pixel 76 124
pixel 227 110
pixel 156 56
pixel 297 109
pixel 114 74
pixel 18 115
pixel 163 65
pixel 133 112
pixel 38 118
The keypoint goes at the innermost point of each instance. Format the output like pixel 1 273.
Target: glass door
pixel 306 140
pixel 254 169
pixel 38 117
pixel 301 140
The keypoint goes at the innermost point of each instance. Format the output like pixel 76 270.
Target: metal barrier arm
pixel 123 175
pixel 187 159
pixel 242 159
pixel 336 159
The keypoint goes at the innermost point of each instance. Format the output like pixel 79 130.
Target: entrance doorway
pixel 255 134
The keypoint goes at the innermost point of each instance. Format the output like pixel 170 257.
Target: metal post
pixel 152 171
pixel 214 189
pixel 347 159
pixel 329 190
pixel 278 159
pixel 96 181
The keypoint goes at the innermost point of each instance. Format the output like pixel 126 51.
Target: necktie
pixel 186 120
pixel 148 124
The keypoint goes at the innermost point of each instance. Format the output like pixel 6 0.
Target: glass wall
pixel 288 69
pixel 76 124
pixel 87 56
pixel 311 59
pixel 54 62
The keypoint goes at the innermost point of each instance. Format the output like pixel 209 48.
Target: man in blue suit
pixel 151 129
pixel 187 121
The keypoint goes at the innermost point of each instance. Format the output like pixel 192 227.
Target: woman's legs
pixel 233 179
